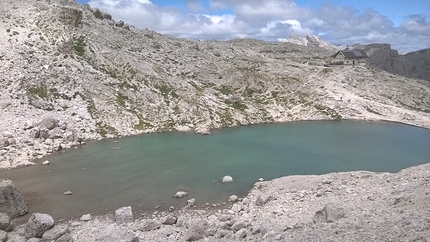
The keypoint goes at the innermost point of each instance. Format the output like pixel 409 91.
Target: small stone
pixel 246 201
pixel 239 225
pixel 227 179
pixel 260 179
pixel 236 208
pixel 171 209
pixel 68 193
pixel 65 238
pixel 180 194
pixel 3 236
pixel 46 162
pixel 233 198
pixel 86 217
pixel 191 202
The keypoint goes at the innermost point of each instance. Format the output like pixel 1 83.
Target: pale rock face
pixel 180 194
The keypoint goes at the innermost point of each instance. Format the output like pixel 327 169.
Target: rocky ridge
pixel 415 64
pixel 70 73
pixel 312 41
pixel 347 206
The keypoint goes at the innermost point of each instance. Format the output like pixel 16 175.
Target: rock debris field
pixel 347 206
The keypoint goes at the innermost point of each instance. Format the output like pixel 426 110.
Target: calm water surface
pixel 148 169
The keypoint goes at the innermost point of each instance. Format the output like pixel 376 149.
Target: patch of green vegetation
pixel 80 46
pixel 372 111
pixel 40 91
pixel 226 90
pixel 237 104
pixel 326 71
pixel 104 129
pixel 91 108
pixel 121 99
pixel 142 125
pixel 328 111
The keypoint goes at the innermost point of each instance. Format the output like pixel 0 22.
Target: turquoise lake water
pixel 148 169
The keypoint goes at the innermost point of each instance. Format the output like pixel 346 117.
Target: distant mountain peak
pixel 311 41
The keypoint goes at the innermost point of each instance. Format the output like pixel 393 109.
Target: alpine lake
pixel 145 171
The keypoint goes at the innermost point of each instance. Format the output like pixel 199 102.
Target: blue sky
pixel 402 23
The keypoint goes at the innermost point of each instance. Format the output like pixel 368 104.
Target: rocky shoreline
pixel 346 206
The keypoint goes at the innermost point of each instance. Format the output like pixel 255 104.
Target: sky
pixel 404 24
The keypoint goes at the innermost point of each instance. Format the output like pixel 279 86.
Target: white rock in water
pixel 227 179
pixel 86 217
pixel 46 162
pixel 68 193
pixel 260 179
pixel 191 202
pixel 180 194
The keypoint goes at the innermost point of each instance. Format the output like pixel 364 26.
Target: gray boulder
pixel 37 224
pixel 196 230
pixel 12 202
pixel 180 194
pixel 5 223
pixel 49 123
pixel 328 214
pixel 124 215
pixel 169 220
pixel 55 233
pixel 227 179
pixel 261 200
pixel 149 224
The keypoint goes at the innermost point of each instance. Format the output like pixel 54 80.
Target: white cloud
pixel 271 20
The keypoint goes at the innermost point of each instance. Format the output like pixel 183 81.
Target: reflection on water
pixel 146 171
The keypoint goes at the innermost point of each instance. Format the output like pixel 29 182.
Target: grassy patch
pixel 328 111
pixel 80 46
pixel 40 91
pixel 121 100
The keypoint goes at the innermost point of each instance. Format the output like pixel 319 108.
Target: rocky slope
pixel 414 64
pixel 70 73
pixel 348 206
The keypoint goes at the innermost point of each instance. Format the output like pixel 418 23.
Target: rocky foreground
pixel 347 206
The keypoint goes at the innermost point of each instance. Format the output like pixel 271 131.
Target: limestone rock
pixel 86 217
pixel 262 199
pixel 169 220
pixel 191 202
pixel 328 214
pixel 180 194
pixel 236 208
pixel 5 223
pixel 124 215
pixel 37 224
pixel 55 233
pixel 3 236
pixel 197 230
pixel 68 193
pixel 239 225
pixel 46 162
pixel 12 202
pixel 233 198
pixel 71 16
pixel 227 179
pixel 149 224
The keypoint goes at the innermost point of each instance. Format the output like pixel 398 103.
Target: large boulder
pixel 227 179
pixel 11 200
pixel 197 230
pixel 5 223
pixel 37 224
pixel 124 215
pixel 55 233
pixel 3 236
